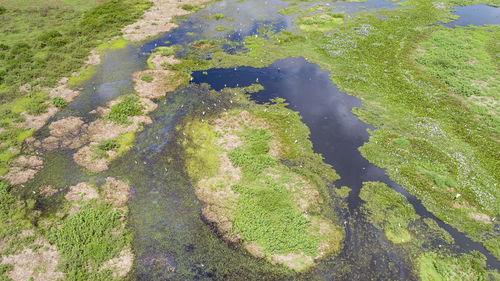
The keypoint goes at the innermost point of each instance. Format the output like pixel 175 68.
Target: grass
pixel 388 210
pixel 439 267
pixel 129 106
pixel 415 114
pixel 43 41
pixel 59 102
pixel 87 239
pixel 147 78
pixel 265 213
pixel 106 145
pixel 464 59
pixel 188 7
pixel 321 22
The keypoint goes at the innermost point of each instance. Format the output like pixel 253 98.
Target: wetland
pixel 249 140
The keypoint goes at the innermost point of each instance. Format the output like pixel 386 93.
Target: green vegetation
pixel 59 102
pixel 15 214
pixel 280 208
pixel 415 115
pixel 321 22
pixel 106 145
pixel 220 28
pixel 219 16
pixel 37 105
pixel 43 41
pixel 87 239
pixel 265 204
pixel 439 267
pixel 129 106
pixel 465 60
pixel 189 7
pixel 147 78
pixel 388 211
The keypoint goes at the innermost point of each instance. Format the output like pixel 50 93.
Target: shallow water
pixel 171 240
pixel 479 14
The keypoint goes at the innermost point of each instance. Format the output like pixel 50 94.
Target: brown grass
pixel 23 169
pixel 40 263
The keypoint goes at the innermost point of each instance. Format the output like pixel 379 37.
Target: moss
pixel 147 78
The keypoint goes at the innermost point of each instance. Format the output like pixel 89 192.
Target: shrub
pixel 59 102
pixel 219 16
pixel 2 10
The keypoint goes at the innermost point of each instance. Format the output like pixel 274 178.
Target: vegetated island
pixel 263 186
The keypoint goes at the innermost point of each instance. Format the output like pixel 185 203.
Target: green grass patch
pixel 147 78
pixel 59 102
pixel 129 106
pixel 321 22
pixel 388 210
pixel 439 267
pixel 87 239
pixel 191 8
pixel 220 28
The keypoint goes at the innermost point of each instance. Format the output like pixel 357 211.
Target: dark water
pixel 479 14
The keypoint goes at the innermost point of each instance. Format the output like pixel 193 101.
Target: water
pixel 479 14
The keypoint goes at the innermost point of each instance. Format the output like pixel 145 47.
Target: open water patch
pixel 479 14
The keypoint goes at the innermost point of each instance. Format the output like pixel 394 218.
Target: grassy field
pixel 432 141
pixel 43 41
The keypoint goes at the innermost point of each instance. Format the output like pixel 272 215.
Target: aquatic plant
pixel 442 267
